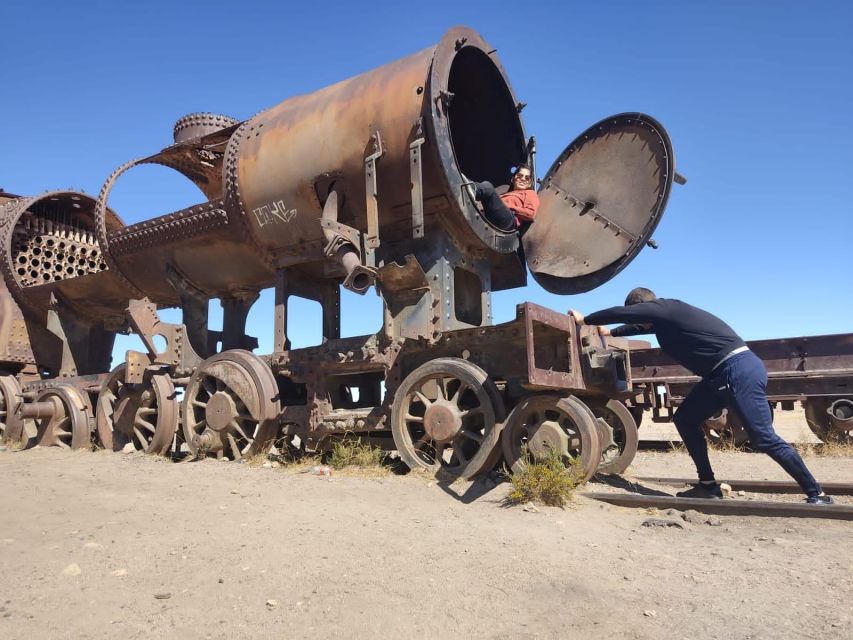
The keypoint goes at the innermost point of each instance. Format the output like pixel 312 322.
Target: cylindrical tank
pixel 454 95
pixel 448 109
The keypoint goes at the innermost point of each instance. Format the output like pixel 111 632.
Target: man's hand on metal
pixel 577 315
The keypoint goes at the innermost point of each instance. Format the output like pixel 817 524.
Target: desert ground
pixel 105 545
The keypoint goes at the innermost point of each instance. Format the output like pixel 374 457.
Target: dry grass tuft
pixel 354 453
pixel 548 481
pixel 825 449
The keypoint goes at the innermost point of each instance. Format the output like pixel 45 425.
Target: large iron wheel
pixel 725 429
pixel 446 416
pixel 549 421
pixel 11 426
pixel 70 426
pixel 637 414
pixel 819 416
pixel 144 415
pixel 231 406
pixel 619 451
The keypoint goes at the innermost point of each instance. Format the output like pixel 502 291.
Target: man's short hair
pixel 640 294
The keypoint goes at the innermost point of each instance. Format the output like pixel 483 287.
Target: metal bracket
pixel 531 158
pixel 345 234
pixel 67 365
pixel 372 201
pixel 417 181
pixel 178 354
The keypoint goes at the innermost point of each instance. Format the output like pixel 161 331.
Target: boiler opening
pixel 485 127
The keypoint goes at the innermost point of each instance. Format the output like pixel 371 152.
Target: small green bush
pixel 354 453
pixel 548 481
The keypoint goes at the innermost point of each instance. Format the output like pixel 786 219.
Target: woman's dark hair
pixel 640 294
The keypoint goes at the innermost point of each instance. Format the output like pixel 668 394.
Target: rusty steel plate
pixel 600 202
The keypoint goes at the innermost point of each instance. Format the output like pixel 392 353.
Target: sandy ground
pixel 102 545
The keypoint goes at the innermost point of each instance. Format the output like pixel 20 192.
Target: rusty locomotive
pixel 358 185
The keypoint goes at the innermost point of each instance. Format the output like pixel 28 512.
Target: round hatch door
pixel 600 202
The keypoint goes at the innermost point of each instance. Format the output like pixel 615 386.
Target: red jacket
pixel 523 202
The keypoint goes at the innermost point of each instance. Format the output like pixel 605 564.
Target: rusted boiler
pixel 360 185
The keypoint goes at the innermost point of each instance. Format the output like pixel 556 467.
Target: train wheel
pixel 231 406
pixel 618 454
pixel 830 419
pixel 542 422
pixel 725 430
pixel 11 427
pixel 637 414
pixel 446 416
pixel 70 425
pixel 144 416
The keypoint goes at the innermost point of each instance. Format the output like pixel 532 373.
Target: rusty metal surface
pixel 544 328
pixel 813 369
pixel 355 184
pixel 231 406
pixel 447 415
pixel 143 416
pixel 805 356
pixel 600 202
pixel 544 422
pixel 728 507
pixel 69 423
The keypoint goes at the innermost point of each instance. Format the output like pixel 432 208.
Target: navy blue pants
pixel 740 385
pixel 494 208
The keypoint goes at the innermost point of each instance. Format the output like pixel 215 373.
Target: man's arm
pixel 641 313
pixel 630 330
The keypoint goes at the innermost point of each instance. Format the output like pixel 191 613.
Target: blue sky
pixel 756 97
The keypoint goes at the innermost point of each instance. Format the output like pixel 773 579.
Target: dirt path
pixel 393 557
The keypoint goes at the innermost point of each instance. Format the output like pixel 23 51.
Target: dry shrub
pixel 548 481
pixel 825 449
pixel 354 453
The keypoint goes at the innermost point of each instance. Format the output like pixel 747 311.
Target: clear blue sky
pixel 756 97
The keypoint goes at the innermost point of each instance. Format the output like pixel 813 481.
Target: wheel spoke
pixel 460 455
pixel 441 385
pixel 234 447
pixel 236 426
pixel 410 418
pixel 439 452
pixel 421 441
pixel 467 413
pixel 463 387
pixel 209 385
pixel 147 425
pixel 426 401
pixel 146 411
pixel 198 403
pixel 143 441
pixel 472 435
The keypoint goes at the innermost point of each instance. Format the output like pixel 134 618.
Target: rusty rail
pixel 728 507
pixel 760 486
